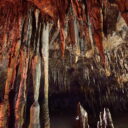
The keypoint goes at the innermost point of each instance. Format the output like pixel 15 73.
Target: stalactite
pixel 62 40
pixel 48 9
pixel 77 8
pixel 72 31
pixel 71 26
pixel 90 33
pixel 54 37
pixel 81 18
pixel 77 48
pixel 123 7
pixel 95 19
pixel 87 26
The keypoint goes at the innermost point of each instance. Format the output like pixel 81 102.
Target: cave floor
pixel 119 120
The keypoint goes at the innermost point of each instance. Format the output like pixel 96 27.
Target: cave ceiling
pixel 89 30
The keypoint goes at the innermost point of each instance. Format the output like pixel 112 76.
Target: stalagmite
pixel 35 108
pixel 45 54
pixel 105 119
pixel 82 117
pixel 101 123
pixel 107 116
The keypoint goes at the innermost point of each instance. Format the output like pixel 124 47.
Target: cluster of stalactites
pixel 79 14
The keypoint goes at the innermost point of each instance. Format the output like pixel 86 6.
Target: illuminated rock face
pixel 86 75
pixel 115 47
